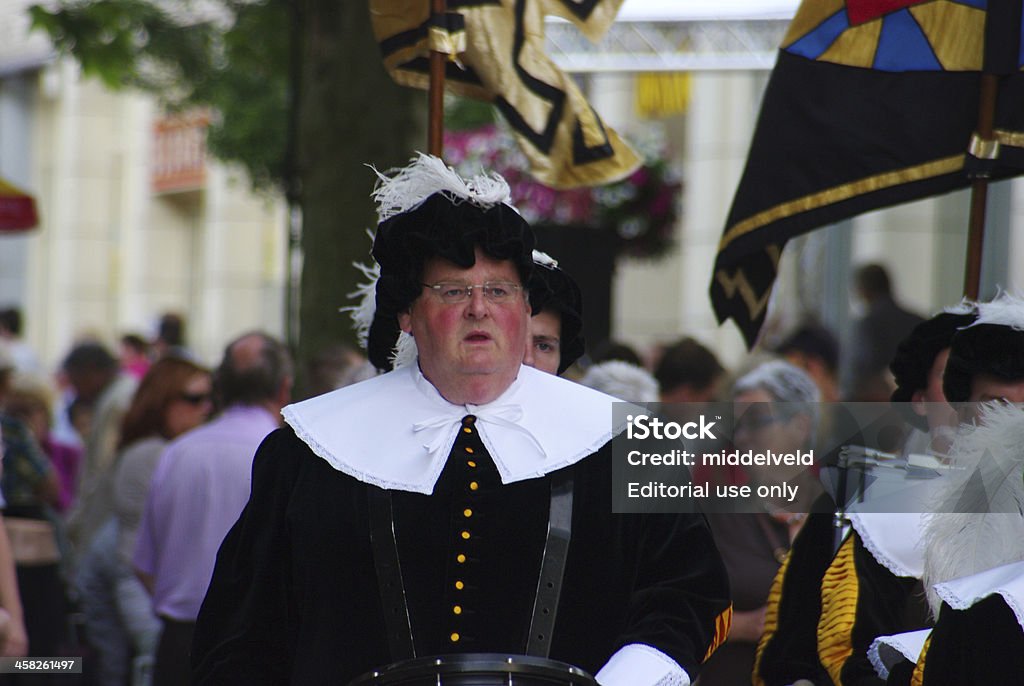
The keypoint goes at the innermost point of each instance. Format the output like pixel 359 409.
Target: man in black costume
pixel 438 478
pixel 556 325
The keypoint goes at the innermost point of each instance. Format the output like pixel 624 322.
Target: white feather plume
pixel 1006 309
pixel 405 352
pixel 366 296
pixel 544 260
pixel 959 544
pixel 409 186
pixel 965 306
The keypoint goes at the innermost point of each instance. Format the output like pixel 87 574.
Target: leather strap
pixel 552 566
pixel 389 575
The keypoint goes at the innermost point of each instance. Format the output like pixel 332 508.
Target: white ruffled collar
pixel 396 431
pixel 894 539
pixel 1006 580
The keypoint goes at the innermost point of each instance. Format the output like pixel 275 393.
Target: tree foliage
pixel 299 97
pixel 231 56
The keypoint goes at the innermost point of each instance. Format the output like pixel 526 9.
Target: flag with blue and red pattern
pixel 872 103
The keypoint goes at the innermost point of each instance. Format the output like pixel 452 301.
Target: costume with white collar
pixel 979 635
pixel 644 597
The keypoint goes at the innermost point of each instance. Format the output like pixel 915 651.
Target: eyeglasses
pixel 453 292
pixel 195 398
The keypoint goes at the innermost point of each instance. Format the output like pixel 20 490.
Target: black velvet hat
pixel 427 210
pixel 993 345
pixel 916 354
pixel 552 289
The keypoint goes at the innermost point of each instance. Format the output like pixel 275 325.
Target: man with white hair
pixel 459 504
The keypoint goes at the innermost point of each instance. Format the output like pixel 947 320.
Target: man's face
pixel 545 349
pixel 930 401
pixel 469 351
pixel 985 387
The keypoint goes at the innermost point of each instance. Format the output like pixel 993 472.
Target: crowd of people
pixel 447 491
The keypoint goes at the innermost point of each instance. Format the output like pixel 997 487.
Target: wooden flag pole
pixel 435 121
pixel 979 189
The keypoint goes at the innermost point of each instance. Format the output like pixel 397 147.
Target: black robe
pixel 294 597
pixel 982 644
pixel 788 650
pixel 881 603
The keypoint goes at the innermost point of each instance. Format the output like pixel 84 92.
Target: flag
pixel 871 103
pixel 17 209
pixel 496 53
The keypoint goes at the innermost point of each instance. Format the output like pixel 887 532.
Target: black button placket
pixel 461 580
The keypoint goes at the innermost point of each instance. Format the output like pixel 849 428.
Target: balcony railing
pixel 179 152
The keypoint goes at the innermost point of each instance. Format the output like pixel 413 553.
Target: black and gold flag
pixel 872 103
pixel 496 53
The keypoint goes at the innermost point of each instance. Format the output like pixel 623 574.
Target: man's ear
pixel 917 403
pixel 405 321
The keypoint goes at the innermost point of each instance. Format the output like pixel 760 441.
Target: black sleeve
pixel 788 650
pixel 243 630
pixel 983 644
pixel 861 600
pixel 681 603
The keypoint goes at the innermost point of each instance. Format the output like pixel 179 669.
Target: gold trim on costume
pixel 839 590
pixel 722 624
pixel 771 620
pixel 946 165
pixel 917 678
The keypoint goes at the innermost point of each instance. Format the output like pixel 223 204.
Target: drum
pixel 477 669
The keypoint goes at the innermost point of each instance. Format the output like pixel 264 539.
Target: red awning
pixel 17 209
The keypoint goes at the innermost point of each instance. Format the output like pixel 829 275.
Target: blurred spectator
pixel 13 638
pixel 95 377
pixel 331 368
pixel 623 380
pixel 879 326
pixel 614 350
pixel 175 396
pixel 30 488
pixel 30 400
pixel 170 337
pixel 25 359
pixel 79 415
pixel 688 372
pixel 776 409
pixel 814 349
pixel 135 355
pixel 198 490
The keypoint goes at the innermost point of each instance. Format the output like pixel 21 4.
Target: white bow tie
pixel 439 444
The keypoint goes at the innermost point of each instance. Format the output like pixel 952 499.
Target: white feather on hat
pixel 426 175
pixel 1006 309
pixel 991 533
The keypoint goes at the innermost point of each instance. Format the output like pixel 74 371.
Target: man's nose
pixel 477 305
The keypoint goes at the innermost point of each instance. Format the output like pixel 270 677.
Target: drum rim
pixel 460 663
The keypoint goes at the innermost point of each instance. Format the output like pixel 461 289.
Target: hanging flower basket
pixel 641 210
